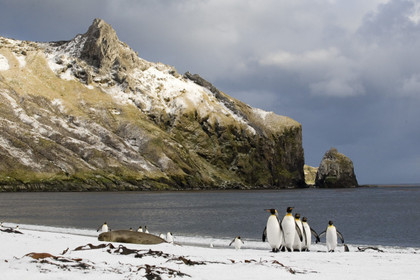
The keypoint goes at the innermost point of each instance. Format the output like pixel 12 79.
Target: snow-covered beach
pixel 62 253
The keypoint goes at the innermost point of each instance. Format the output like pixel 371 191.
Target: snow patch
pixel 21 59
pixel 59 104
pixel 4 63
pixel 24 156
pixel 261 113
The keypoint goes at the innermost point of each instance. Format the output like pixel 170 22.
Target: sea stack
pixel 336 171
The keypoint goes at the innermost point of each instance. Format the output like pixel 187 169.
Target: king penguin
pixel 103 228
pixel 169 237
pixel 238 242
pixel 331 236
pixel 308 233
pixel 272 232
pixel 298 243
pixel 289 228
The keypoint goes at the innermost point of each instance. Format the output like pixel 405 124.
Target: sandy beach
pixel 59 253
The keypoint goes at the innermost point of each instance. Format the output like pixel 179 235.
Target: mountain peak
pixel 103 49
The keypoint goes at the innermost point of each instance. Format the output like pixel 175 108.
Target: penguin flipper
pixel 299 232
pixel 341 236
pixel 322 233
pixel 264 235
pixel 304 234
pixel 316 235
pixel 232 241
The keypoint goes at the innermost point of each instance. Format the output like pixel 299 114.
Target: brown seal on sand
pixel 126 236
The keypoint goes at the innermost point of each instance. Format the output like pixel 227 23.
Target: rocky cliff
pixel 335 171
pixel 90 114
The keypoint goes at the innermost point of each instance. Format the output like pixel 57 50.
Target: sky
pixel 348 71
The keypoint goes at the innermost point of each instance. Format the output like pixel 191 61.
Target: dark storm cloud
pixel 349 71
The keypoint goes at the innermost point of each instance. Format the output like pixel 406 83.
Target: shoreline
pixel 49 255
pixel 187 240
pixel 87 189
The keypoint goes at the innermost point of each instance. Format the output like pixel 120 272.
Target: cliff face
pixel 335 171
pixel 89 114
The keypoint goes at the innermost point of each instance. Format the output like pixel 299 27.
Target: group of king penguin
pixel 294 234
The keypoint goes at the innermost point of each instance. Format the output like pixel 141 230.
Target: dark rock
pixel 335 171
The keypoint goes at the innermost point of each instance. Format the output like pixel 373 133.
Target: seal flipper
pixel 341 236
pixel 346 248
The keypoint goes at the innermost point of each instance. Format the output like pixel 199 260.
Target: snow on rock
pixel 152 86
pixel 21 59
pixel 261 113
pixel 4 63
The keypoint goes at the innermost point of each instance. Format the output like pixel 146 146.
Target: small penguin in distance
pixel 145 229
pixel 140 229
pixel 237 241
pixel 331 236
pixel 103 228
pixel 169 237
pixel 272 231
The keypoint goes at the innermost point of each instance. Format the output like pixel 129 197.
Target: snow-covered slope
pixel 93 111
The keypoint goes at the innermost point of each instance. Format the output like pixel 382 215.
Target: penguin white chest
pixel 169 237
pixel 289 228
pixel 104 228
pixel 238 243
pixel 307 232
pixel 273 232
pixel 331 238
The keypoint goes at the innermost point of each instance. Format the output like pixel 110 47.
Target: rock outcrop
pixel 335 171
pixel 89 114
pixel 310 174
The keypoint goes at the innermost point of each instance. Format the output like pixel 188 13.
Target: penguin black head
pixel 289 209
pixel 330 223
pixel 272 211
pixel 238 237
pixel 297 216
pixel 304 219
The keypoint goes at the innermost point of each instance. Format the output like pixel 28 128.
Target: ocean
pixel 387 216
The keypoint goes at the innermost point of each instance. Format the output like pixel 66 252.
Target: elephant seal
pixel 126 236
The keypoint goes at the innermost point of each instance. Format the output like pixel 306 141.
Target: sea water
pixel 386 216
